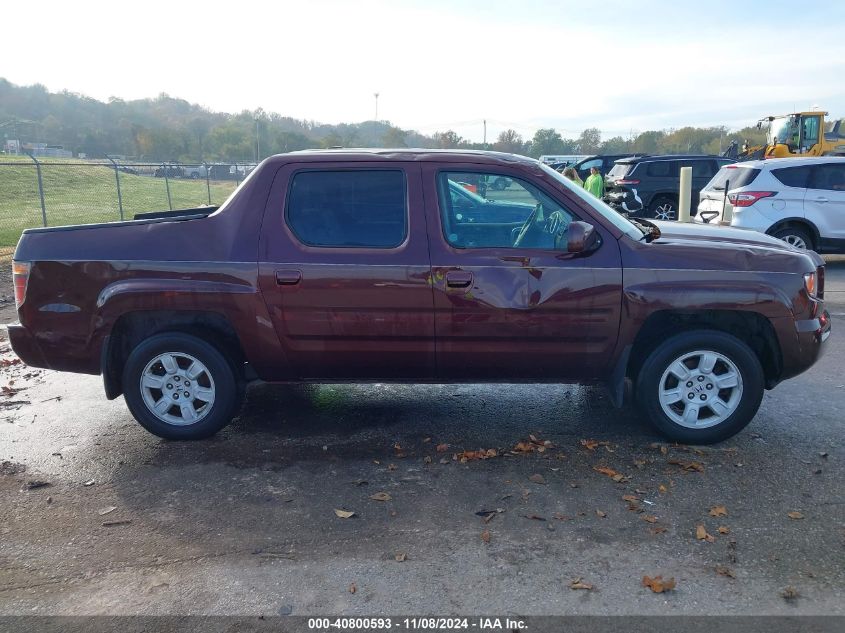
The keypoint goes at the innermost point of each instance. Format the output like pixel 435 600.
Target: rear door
pixel 702 171
pixel 824 203
pixel 510 309
pixel 345 271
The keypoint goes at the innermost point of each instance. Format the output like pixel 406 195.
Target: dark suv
pixel 647 186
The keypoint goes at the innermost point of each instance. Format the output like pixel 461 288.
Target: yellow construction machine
pixel 796 134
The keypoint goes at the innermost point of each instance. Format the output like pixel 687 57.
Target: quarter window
pixel 792 176
pixel 662 169
pixel 520 216
pixel 355 208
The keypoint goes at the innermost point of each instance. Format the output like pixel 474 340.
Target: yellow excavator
pixel 796 134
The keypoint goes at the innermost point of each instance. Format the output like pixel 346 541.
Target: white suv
pixel 799 200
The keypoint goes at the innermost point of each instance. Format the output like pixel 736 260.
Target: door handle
pixel 288 277
pixel 458 278
pixel 821 199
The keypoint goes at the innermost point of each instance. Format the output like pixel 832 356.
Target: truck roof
pixel 369 154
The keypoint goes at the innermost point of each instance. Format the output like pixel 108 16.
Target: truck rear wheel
pixel 179 387
pixel 700 386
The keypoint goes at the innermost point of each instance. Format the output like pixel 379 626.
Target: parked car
pixel 798 200
pixel 604 163
pixel 647 186
pixel 359 265
pixel 195 172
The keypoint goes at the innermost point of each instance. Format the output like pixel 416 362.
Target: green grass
pixel 79 194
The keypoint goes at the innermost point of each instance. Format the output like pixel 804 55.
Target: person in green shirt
pixel 570 173
pixel 595 183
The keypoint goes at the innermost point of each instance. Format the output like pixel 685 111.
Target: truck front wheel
pixel 700 386
pixel 179 387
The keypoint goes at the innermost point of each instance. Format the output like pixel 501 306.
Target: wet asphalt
pixel 245 523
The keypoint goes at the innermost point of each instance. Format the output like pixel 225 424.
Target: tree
pixel 447 140
pixel 394 137
pixel 508 141
pixel 615 145
pixel 590 141
pixel 546 141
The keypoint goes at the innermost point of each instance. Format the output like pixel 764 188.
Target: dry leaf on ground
pixel 795 515
pixel 718 511
pixel 401 557
pixel 442 448
pixel 723 529
pixel 580 584
pixel 688 466
pixel 353 588
pixel 658 585
pixel 537 478
pixel 601 514
pixel 344 514
pixel 534 517
pixel 649 518
pixel 485 536
pixel 658 529
pixel 790 593
pixel 725 571
pixel 381 496
pixel 702 535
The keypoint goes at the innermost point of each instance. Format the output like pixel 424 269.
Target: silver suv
pixel 799 200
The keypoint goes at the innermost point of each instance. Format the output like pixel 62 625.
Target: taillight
pixel 747 198
pixel 626 181
pixel 20 276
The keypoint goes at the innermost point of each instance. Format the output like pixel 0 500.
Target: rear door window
pixel 662 169
pixel 830 177
pixel 792 176
pixel 354 208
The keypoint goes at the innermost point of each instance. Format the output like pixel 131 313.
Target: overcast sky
pixel 615 65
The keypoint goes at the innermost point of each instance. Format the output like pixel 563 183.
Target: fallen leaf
pixel 630 498
pixel 640 463
pixel 688 466
pixel 795 515
pixel 702 535
pixel 107 510
pixel 485 536
pixel 662 488
pixel 401 557
pixel 718 511
pixel 379 496
pixel 116 523
pixel 590 445
pixel 601 514
pixel 534 517
pixel 790 593
pixel 471 456
pixel 537 478
pixel 353 588
pixel 427 459
pixel 723 529
pixel 658 529
pixel 344 514
pixel 580 584
pixel 444 460
pixel 658 585
pixel 392 467
pixel 560 517
pixel 35 484
pixel 725 571
pixel 649 518
pixel 442 448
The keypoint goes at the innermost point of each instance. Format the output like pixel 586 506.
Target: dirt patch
pixel 11 468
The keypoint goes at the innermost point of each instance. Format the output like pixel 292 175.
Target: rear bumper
pixel 25 346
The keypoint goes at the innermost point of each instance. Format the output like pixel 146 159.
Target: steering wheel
pixel 535 228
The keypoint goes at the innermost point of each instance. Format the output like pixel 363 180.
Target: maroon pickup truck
pixel 403 266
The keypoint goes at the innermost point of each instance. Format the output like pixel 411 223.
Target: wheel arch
pixel 133 327
pixel 797 222
pixel 752 328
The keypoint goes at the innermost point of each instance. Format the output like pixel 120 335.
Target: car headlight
pixel 810 283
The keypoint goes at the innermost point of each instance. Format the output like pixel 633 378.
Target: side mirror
pixel 582 237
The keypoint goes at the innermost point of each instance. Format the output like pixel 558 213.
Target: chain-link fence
pixel 40 192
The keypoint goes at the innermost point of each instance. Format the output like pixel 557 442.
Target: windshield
pixel 623 224
pixel 784 129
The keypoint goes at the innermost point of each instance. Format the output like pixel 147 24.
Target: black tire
pixel 795 236
pixel 195 175
pixel 664 355
pixel 227 391
pixel 663 205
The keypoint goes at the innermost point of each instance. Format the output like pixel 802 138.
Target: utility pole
pixel 485 133
pixel 257 143
pixel 375 94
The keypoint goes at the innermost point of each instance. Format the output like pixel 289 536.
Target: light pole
pixel 375 94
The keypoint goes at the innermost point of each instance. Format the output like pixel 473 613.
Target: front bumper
pixel 811 337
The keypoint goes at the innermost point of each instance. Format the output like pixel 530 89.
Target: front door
pixel 345 272
pixel 510 303
pixel 824 203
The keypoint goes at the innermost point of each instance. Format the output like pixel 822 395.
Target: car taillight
pixel 747 198
pixel 627 181
pixel 20 276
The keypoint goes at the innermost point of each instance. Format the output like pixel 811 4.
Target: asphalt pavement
pixel 571 505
